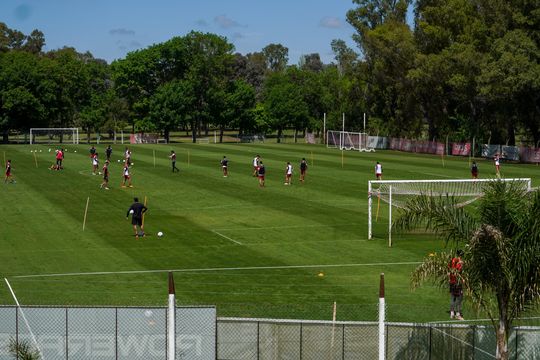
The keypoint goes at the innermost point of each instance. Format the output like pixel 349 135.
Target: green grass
pixel 211 222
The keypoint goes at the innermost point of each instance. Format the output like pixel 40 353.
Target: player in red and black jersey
pixel 303 169
pixel 9 176
pixel 173 161
pixel 261 171
pixel 224 165
pixel 105 183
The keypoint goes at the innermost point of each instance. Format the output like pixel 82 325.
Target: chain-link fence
pixel 140 333
pixel 107 333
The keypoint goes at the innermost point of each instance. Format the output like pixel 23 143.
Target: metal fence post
pixel 517 344
pixel 301 339
pixel 67 346
pixel 473 341
pixel 17 330
pixel 430 340
pixel 116 333
pixel 258 339
pixel 343 342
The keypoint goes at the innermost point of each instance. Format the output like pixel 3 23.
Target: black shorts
pixel 106 178
pixel 136 221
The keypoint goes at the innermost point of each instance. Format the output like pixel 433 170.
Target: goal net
pixel 54 135
pixel 397 192
pixel 346 140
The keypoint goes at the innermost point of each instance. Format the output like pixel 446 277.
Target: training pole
pixel 171 317
pixel 154 152
pixel 342 157
pixel 85 212
pixel 142 221
pixel 311 159
pixel 382 310
pixel 390 217
pixel 378 205
pixel 188 154
pixel 5 158
pixel 333 323
pixel 35 159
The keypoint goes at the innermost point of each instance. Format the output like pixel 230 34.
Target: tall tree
pixel 502 250
pixel 276 56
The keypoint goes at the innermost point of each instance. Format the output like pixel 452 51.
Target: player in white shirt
pixel 288 174
pixel 256 161
pixel 497 160
pixel 95 164
pixel 378 171
pixel 126 176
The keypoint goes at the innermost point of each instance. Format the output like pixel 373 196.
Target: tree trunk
pixel 88 135
pixel 502 342
pixel 221 129
pixel 295 135
pixel 166 135
pixel 194 131
pixel 279 132
pixel 5 137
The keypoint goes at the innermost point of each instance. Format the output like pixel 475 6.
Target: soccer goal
pixel 397 192
pixel 54 135
pixel 346 140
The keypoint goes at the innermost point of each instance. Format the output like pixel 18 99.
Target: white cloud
pixel 331 22
pixel 225 22
pixel 122 32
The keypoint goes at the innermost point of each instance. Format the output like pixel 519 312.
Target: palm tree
pixel 501 242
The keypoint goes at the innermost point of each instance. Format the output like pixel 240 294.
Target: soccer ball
pixel 118 160
pixel 132 164
pixel 131 211
pixel 160 234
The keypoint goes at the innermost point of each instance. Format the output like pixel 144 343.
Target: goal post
pixel 397 192
pixel 347 140
pixel 54 135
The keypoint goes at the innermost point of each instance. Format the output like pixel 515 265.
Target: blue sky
pixel 109 29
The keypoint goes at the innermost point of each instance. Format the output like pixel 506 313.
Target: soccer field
pixel 278 251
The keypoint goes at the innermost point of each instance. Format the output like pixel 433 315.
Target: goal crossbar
pixel 396 192
pixel 73 133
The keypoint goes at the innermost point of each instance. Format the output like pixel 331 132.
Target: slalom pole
pixel 333 323
pixel 5 159
pixel 342 157
pixel 142 222
pixel 378 205
pixel 311 158
pixel 85 212
pixel 188 155
pixel 154 152
pixel 35 159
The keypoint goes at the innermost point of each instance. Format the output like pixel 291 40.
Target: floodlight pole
pixel 171 317
pixel 324 129
pixel 370 201
pixel 364 122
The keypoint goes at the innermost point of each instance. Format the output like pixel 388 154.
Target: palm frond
pixel 441 215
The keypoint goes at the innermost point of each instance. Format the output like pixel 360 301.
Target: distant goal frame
pixel 74 133
pixel 477 194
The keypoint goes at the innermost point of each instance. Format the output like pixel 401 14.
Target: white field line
pixel 226 237
pixel 322 266
pixel 441 175
pixel 24 317
pixel 111 248
pixel 285 227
